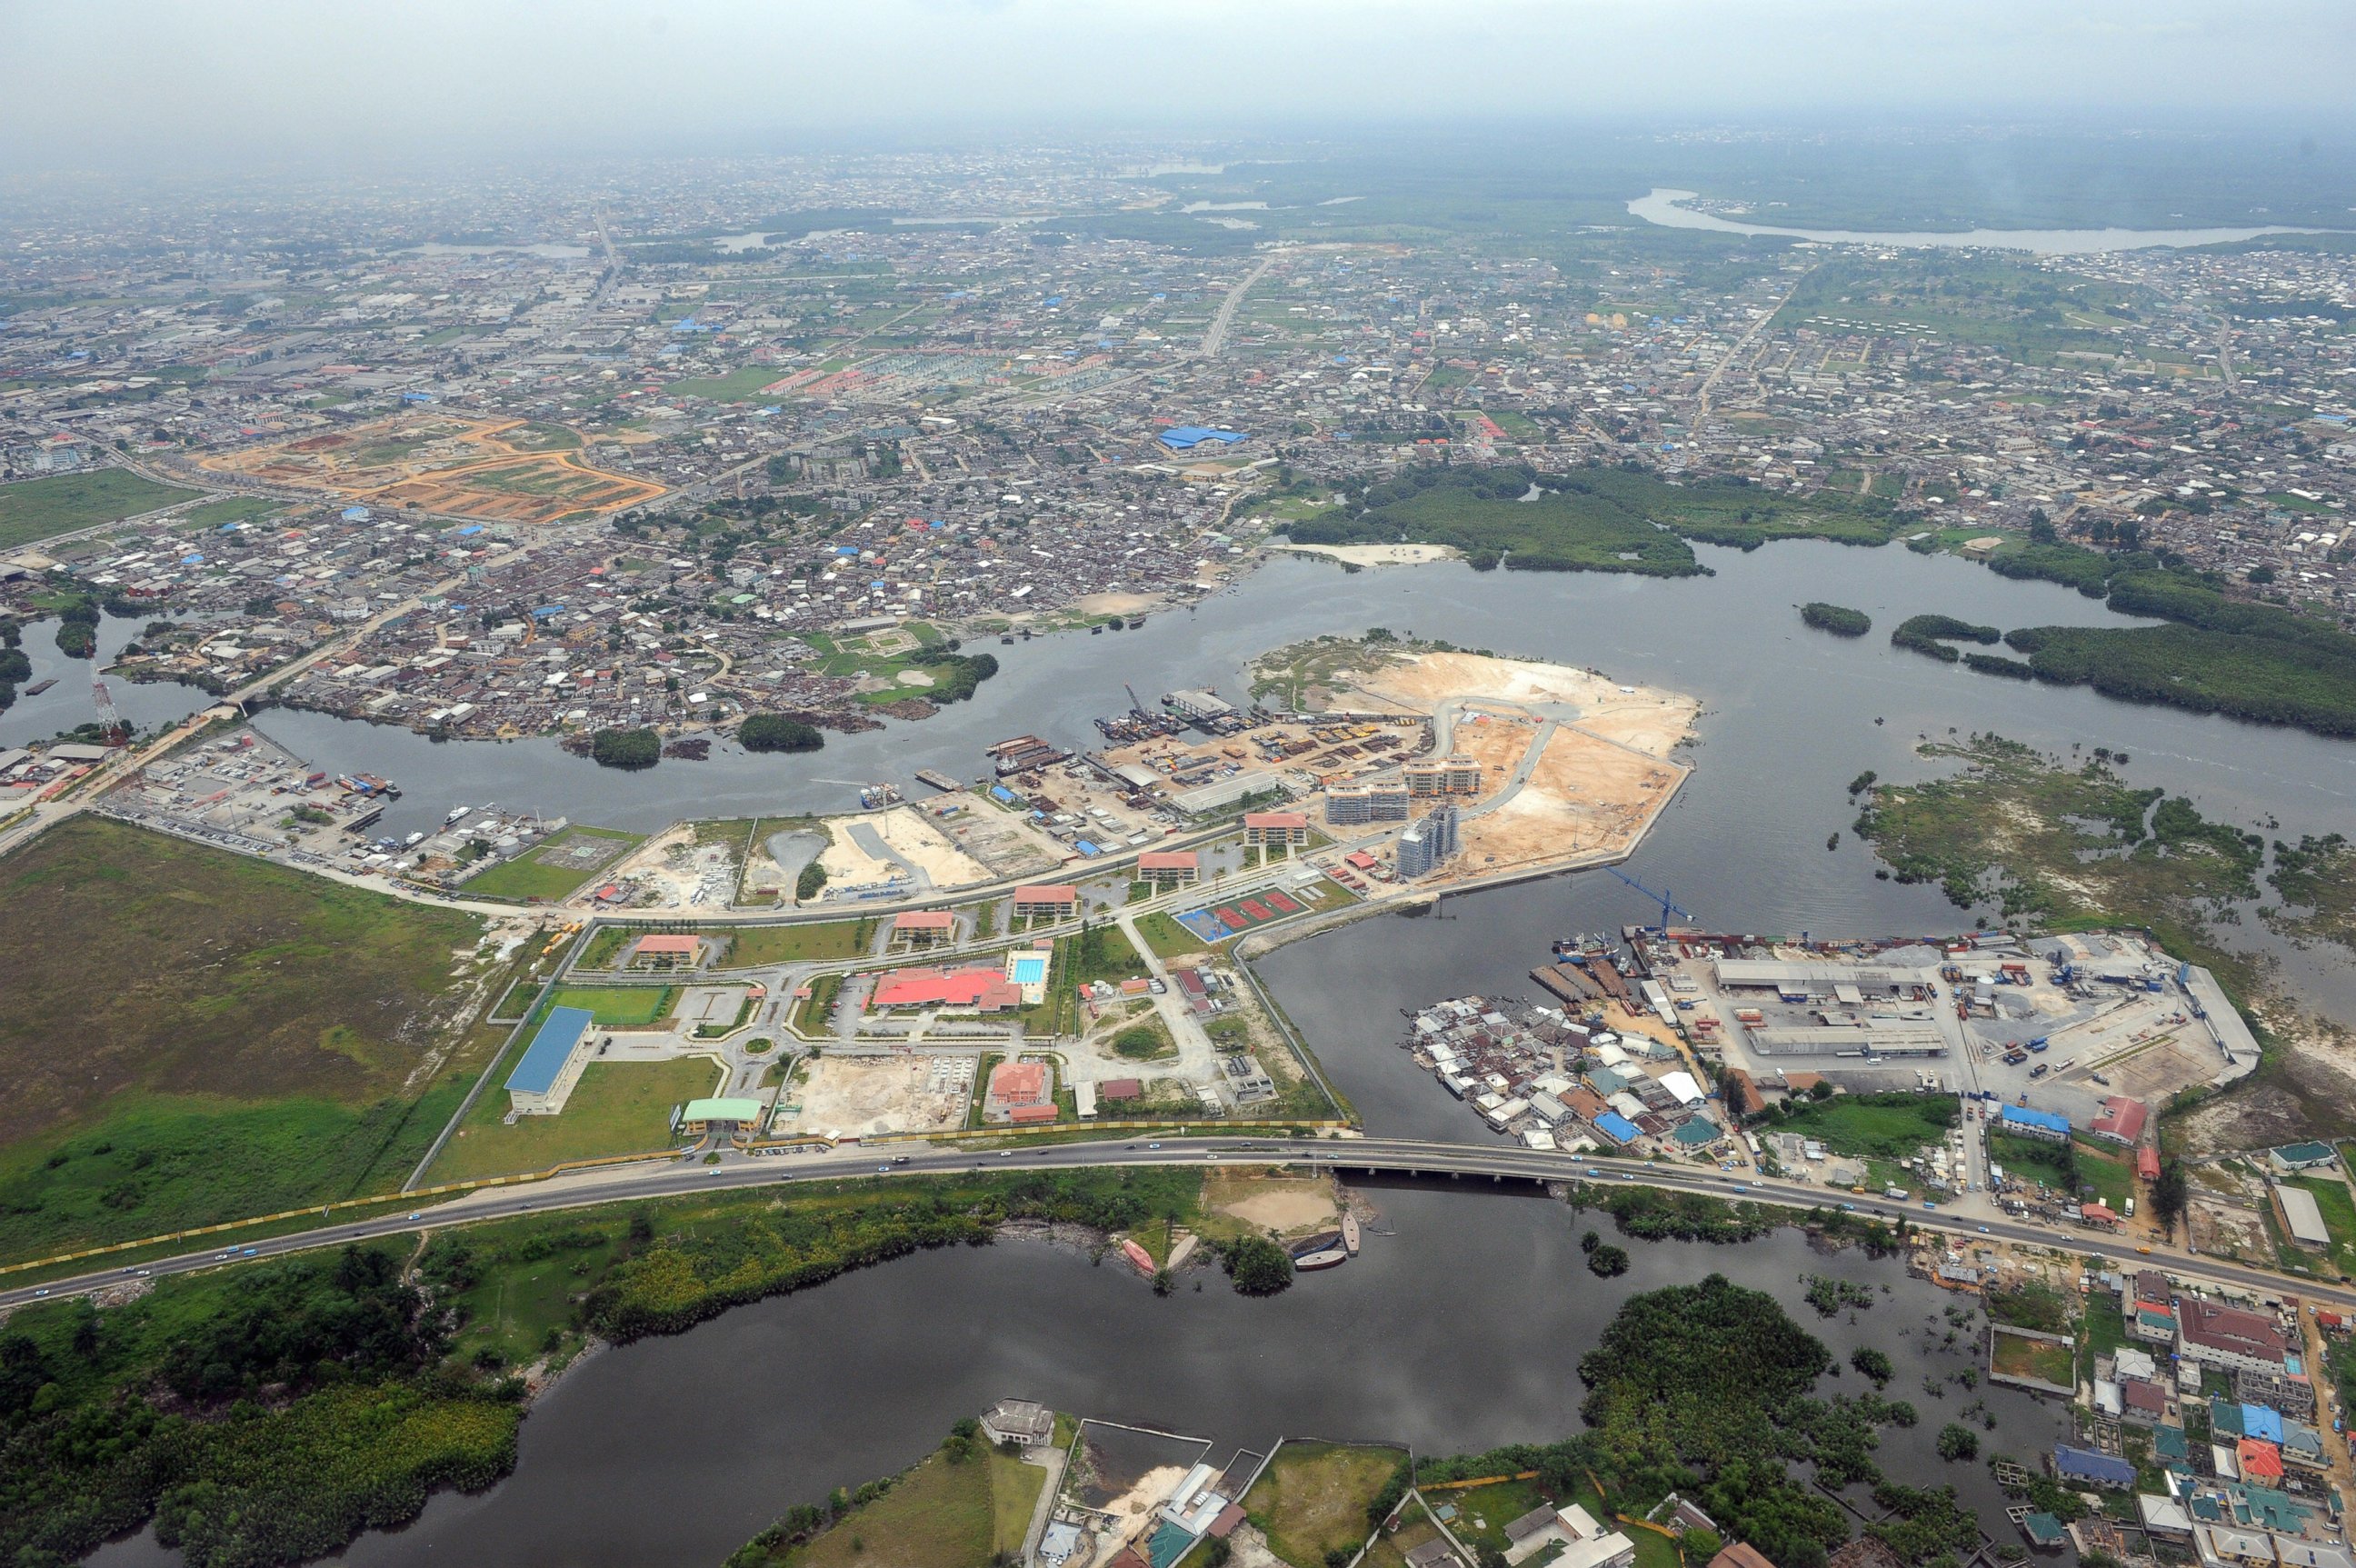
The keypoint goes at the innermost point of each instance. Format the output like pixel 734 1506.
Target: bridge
pixel 1480 1167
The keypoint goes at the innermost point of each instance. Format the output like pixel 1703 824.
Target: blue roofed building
pixel 551 1063
pixel 2034 1123
pixel 1186 437
pixel 2098 1469
pixel 1618 1128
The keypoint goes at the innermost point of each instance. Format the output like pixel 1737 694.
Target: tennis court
pixel 1223 920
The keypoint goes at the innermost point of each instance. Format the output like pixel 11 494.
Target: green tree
pixel 1258 1266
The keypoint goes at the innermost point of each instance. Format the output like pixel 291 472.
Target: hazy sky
pixel 102 82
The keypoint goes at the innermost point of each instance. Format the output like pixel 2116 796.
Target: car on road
pixel 1984 1230
pixel 899 1159
pixel 885 1167
pixel 45 1289
pixel 247 1254
pixel 1004 1154
pixel 1153 1146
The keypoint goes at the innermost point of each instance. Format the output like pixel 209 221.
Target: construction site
pixel 500 470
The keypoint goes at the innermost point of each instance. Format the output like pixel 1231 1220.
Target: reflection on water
pixel 1462 1332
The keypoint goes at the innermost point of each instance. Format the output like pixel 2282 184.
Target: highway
pixel 1350 1156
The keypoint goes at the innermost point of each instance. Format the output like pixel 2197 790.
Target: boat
pixel 38 687
pixel 457 813
pixel 1324 1258
pixel 938 780
pixel 1350 1233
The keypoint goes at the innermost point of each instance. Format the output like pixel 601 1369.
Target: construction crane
pixel 1134 705
pixel 1668 906
pixel 109 721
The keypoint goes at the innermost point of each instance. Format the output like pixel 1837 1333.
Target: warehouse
pixel 2301 1218
pixel 551 1064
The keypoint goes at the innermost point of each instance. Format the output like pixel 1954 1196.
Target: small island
pixel 1839 620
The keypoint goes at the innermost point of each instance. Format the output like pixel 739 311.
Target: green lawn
pixel 615 1006
pixel 1312 1498
pixel 232 509
pixel 2043 1359
pixel 2031 1159
pixel 617 1108
pixel 2110 1174
pixel 753 946
pixel 190 1035
pixel 1014 1488
pixel 2339 1216
pixel 32 509
pixel 1884 1126
pixel 938 1515
pixel 739 385
pixel 540 871
pixel 1167 938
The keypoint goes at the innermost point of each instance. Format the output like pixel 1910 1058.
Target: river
pixel 1465 1329
pixel 1667 208
pixel 1461 1331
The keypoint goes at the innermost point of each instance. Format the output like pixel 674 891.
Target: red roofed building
pixel 1015 1086
pixel 1275 827
pixel 1053 900
pixel 1031 1115
pixel 2218 1336
pixel 982 987
pixel 2260 1462
pixel 2121 1119
pixel 1169 868
pixel 2148 1162
pixel 1120 1089
pixel 923 928
pixel 685 948
pixel 2101 1214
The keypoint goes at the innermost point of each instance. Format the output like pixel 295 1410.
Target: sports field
pixel 1220 921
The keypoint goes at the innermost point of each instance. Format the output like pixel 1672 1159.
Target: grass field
pixel 617 1108
pixel 33 510
pixel 2338 1217
pixel 190 1035
pixel 1483 1513
pixel 938 1515
pixel 540 871
pixel 753 946
pixel 739 385
pixel 1166 937
pixel 2029 1159
pixel 232 509
pixel 2023 1357
pixel 1312 1498
pixel 1881 1126
pixel 616 1006
pixel 2110 1176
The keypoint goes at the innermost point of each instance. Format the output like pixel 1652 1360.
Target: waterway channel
pixel 1668 209
pixel 1465 1329
pixel 1461 1331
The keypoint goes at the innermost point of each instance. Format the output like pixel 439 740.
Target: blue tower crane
pixel 1668 906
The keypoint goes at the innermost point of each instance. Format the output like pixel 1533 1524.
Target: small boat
pixel 1325 1258
pixel 1317 1243
pixel 1350 1234
pixel 38 687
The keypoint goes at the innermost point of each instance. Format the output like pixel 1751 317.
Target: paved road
pixel 1216 337
pixel 1498 1163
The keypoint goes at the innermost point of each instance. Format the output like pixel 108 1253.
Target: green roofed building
pixel 551 1064
pixel 700 1116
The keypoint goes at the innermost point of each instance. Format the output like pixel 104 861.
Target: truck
pixel 1899 1193
pixel 2039 1043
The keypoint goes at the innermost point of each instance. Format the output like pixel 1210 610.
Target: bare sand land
pixel 860 1096
pixel 1649 719
pixel 1374 554
pixel 907 832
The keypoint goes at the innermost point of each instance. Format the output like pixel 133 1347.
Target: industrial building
pixel 551 1064
pixel 2301 1218
pixel 1200 706
pixel 983 988
pixel 1221 793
